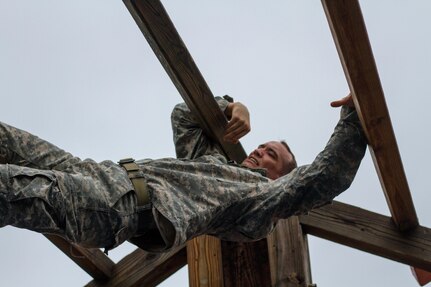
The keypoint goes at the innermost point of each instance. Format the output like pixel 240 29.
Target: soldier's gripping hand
pixel 239 122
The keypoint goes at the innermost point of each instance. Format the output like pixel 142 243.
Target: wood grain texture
pixel 290 261
pixel 92 261
pixel 246 264
pixel 423 277
pixel 351 39
pixel 170 49
pixel 141 268
pixel 370 232
pixel 205 262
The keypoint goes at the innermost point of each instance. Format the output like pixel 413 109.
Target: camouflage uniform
pixel 204 194
pixel 201 193
pixel 46 189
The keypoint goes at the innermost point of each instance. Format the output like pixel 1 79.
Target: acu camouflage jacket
pixel 201 193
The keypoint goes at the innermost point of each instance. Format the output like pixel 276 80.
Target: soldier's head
pixel 274 156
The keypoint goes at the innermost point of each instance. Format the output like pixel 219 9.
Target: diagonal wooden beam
pixel 169 48
pixel 351 39
pixel 92 261
pixel 141 268
pixel 166 43
pixel 370 232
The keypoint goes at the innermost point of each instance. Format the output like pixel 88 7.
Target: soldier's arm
pixel 331 173
pixel 191 141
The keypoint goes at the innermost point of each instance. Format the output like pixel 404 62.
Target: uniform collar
pixel 261 171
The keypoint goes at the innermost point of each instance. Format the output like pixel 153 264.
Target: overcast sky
pixel 81 75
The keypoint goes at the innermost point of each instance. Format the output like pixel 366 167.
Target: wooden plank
pixel 290 261
pixel 423 277
pixel 166 43
pixel 246 264
pixel 169 48
pixel 93 261
pixel 370 232
pixel 205 261
pixel 351 39
pixel 140 268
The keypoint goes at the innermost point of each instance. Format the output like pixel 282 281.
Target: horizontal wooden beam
pixel 92 261
pixel 351 38
pixel 370 232
pixel 140 268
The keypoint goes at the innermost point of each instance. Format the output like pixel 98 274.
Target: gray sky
pixel 76 72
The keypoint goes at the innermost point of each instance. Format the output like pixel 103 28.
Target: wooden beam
pixel 208 272
pixel 370 232
pixel 423 277
pixel 169 48
pixel 93 261
pixel 290 262
pixel 166 43
pixel 140 268
pixel 246 264
pixel 351 39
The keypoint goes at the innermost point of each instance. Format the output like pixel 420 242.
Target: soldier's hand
pixel 346 101
pixel 239 122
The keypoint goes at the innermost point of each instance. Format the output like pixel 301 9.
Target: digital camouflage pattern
pixel 203 194
pixel 46 189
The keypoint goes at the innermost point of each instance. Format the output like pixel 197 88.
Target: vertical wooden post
pixel 246 264
pixel 280 260
pixel 205 262
pixel 289 255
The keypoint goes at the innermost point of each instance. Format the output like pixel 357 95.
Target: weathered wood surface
pixel 162 36
pixel 246 264
pixel 290 262
pixel 140 268
pixel 370 232
pixel 92 261
pixel 208 272
pixel 169 48
pixel 351 39
pixel 423 277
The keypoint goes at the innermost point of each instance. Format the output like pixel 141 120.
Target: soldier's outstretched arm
pixel 331 173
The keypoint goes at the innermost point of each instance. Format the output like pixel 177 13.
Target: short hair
pixel 292 164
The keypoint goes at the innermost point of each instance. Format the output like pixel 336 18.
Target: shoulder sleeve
pixel 331 173
pixel 189 138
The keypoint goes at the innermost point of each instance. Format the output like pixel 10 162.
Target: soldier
pixel 158 204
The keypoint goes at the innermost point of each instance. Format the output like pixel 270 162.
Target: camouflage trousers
pixel 47 190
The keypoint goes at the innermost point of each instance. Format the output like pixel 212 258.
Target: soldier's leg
pixel 22 148
pixel 77 207
pixel 83 186
pixel 31 199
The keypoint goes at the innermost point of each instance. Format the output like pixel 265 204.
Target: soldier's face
pixel 272 156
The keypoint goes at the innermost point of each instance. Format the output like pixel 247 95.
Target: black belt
pixel 139 184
